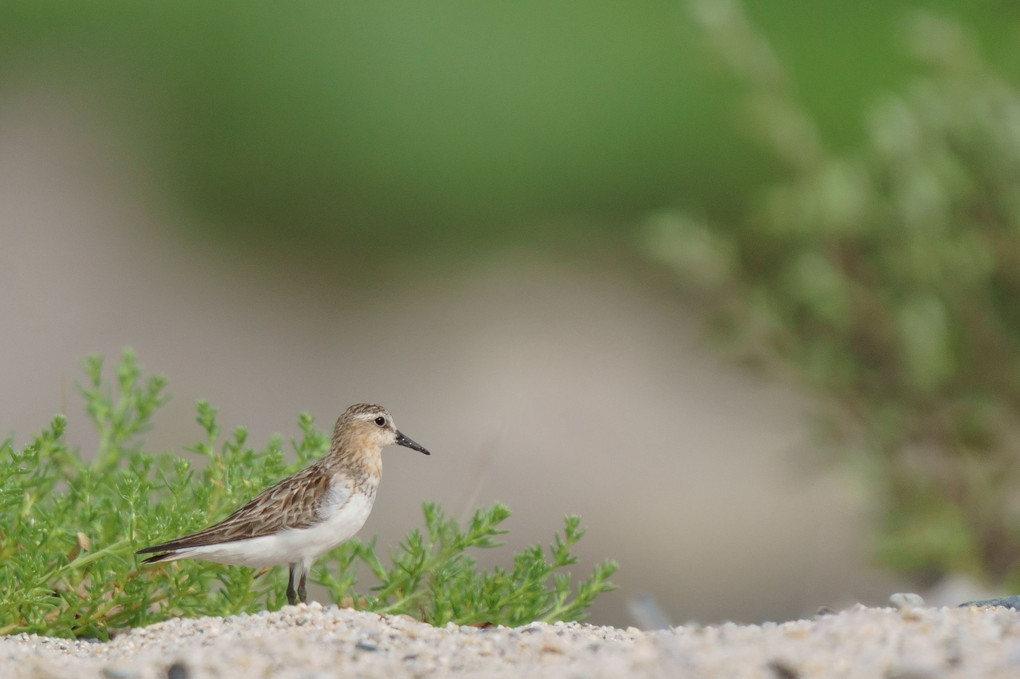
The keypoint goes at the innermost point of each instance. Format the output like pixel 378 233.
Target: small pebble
pixel 903 600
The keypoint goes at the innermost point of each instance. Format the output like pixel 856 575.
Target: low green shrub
pixel 71 527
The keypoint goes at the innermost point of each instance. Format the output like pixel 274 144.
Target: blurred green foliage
pixel 393 128
pixel 887 277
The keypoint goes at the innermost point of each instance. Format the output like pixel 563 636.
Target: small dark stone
pixel 366 646
pixel 782 670
pixel 178 670
pixel 1006 602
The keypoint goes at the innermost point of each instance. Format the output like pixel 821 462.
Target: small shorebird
pixel 306 514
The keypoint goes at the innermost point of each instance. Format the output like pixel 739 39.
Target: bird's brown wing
pixel 292 503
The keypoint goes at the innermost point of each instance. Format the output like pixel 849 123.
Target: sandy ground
pixel 313 641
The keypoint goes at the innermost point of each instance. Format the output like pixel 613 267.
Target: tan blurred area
pixel 553 385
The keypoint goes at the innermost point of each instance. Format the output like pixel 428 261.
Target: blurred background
pixel 736 283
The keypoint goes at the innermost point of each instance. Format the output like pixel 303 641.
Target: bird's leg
pixel 291 595
pixel 301 592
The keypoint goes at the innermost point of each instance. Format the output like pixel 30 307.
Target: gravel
pixel 908 642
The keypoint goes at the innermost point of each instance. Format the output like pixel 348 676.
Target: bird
pixel 305 515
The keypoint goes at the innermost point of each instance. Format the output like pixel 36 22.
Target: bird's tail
pixel 161 553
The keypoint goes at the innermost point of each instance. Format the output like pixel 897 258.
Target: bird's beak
pixel 408 443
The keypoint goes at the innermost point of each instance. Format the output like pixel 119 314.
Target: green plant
pixel 886 278
pixel 433 577
pixel 71 527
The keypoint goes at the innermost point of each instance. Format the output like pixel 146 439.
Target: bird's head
pixel 369 427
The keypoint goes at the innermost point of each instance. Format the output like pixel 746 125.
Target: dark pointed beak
pixel 408 443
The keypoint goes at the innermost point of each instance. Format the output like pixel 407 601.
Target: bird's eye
pixel 381 421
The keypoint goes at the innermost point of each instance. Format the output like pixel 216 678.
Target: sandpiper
pixel 306 514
